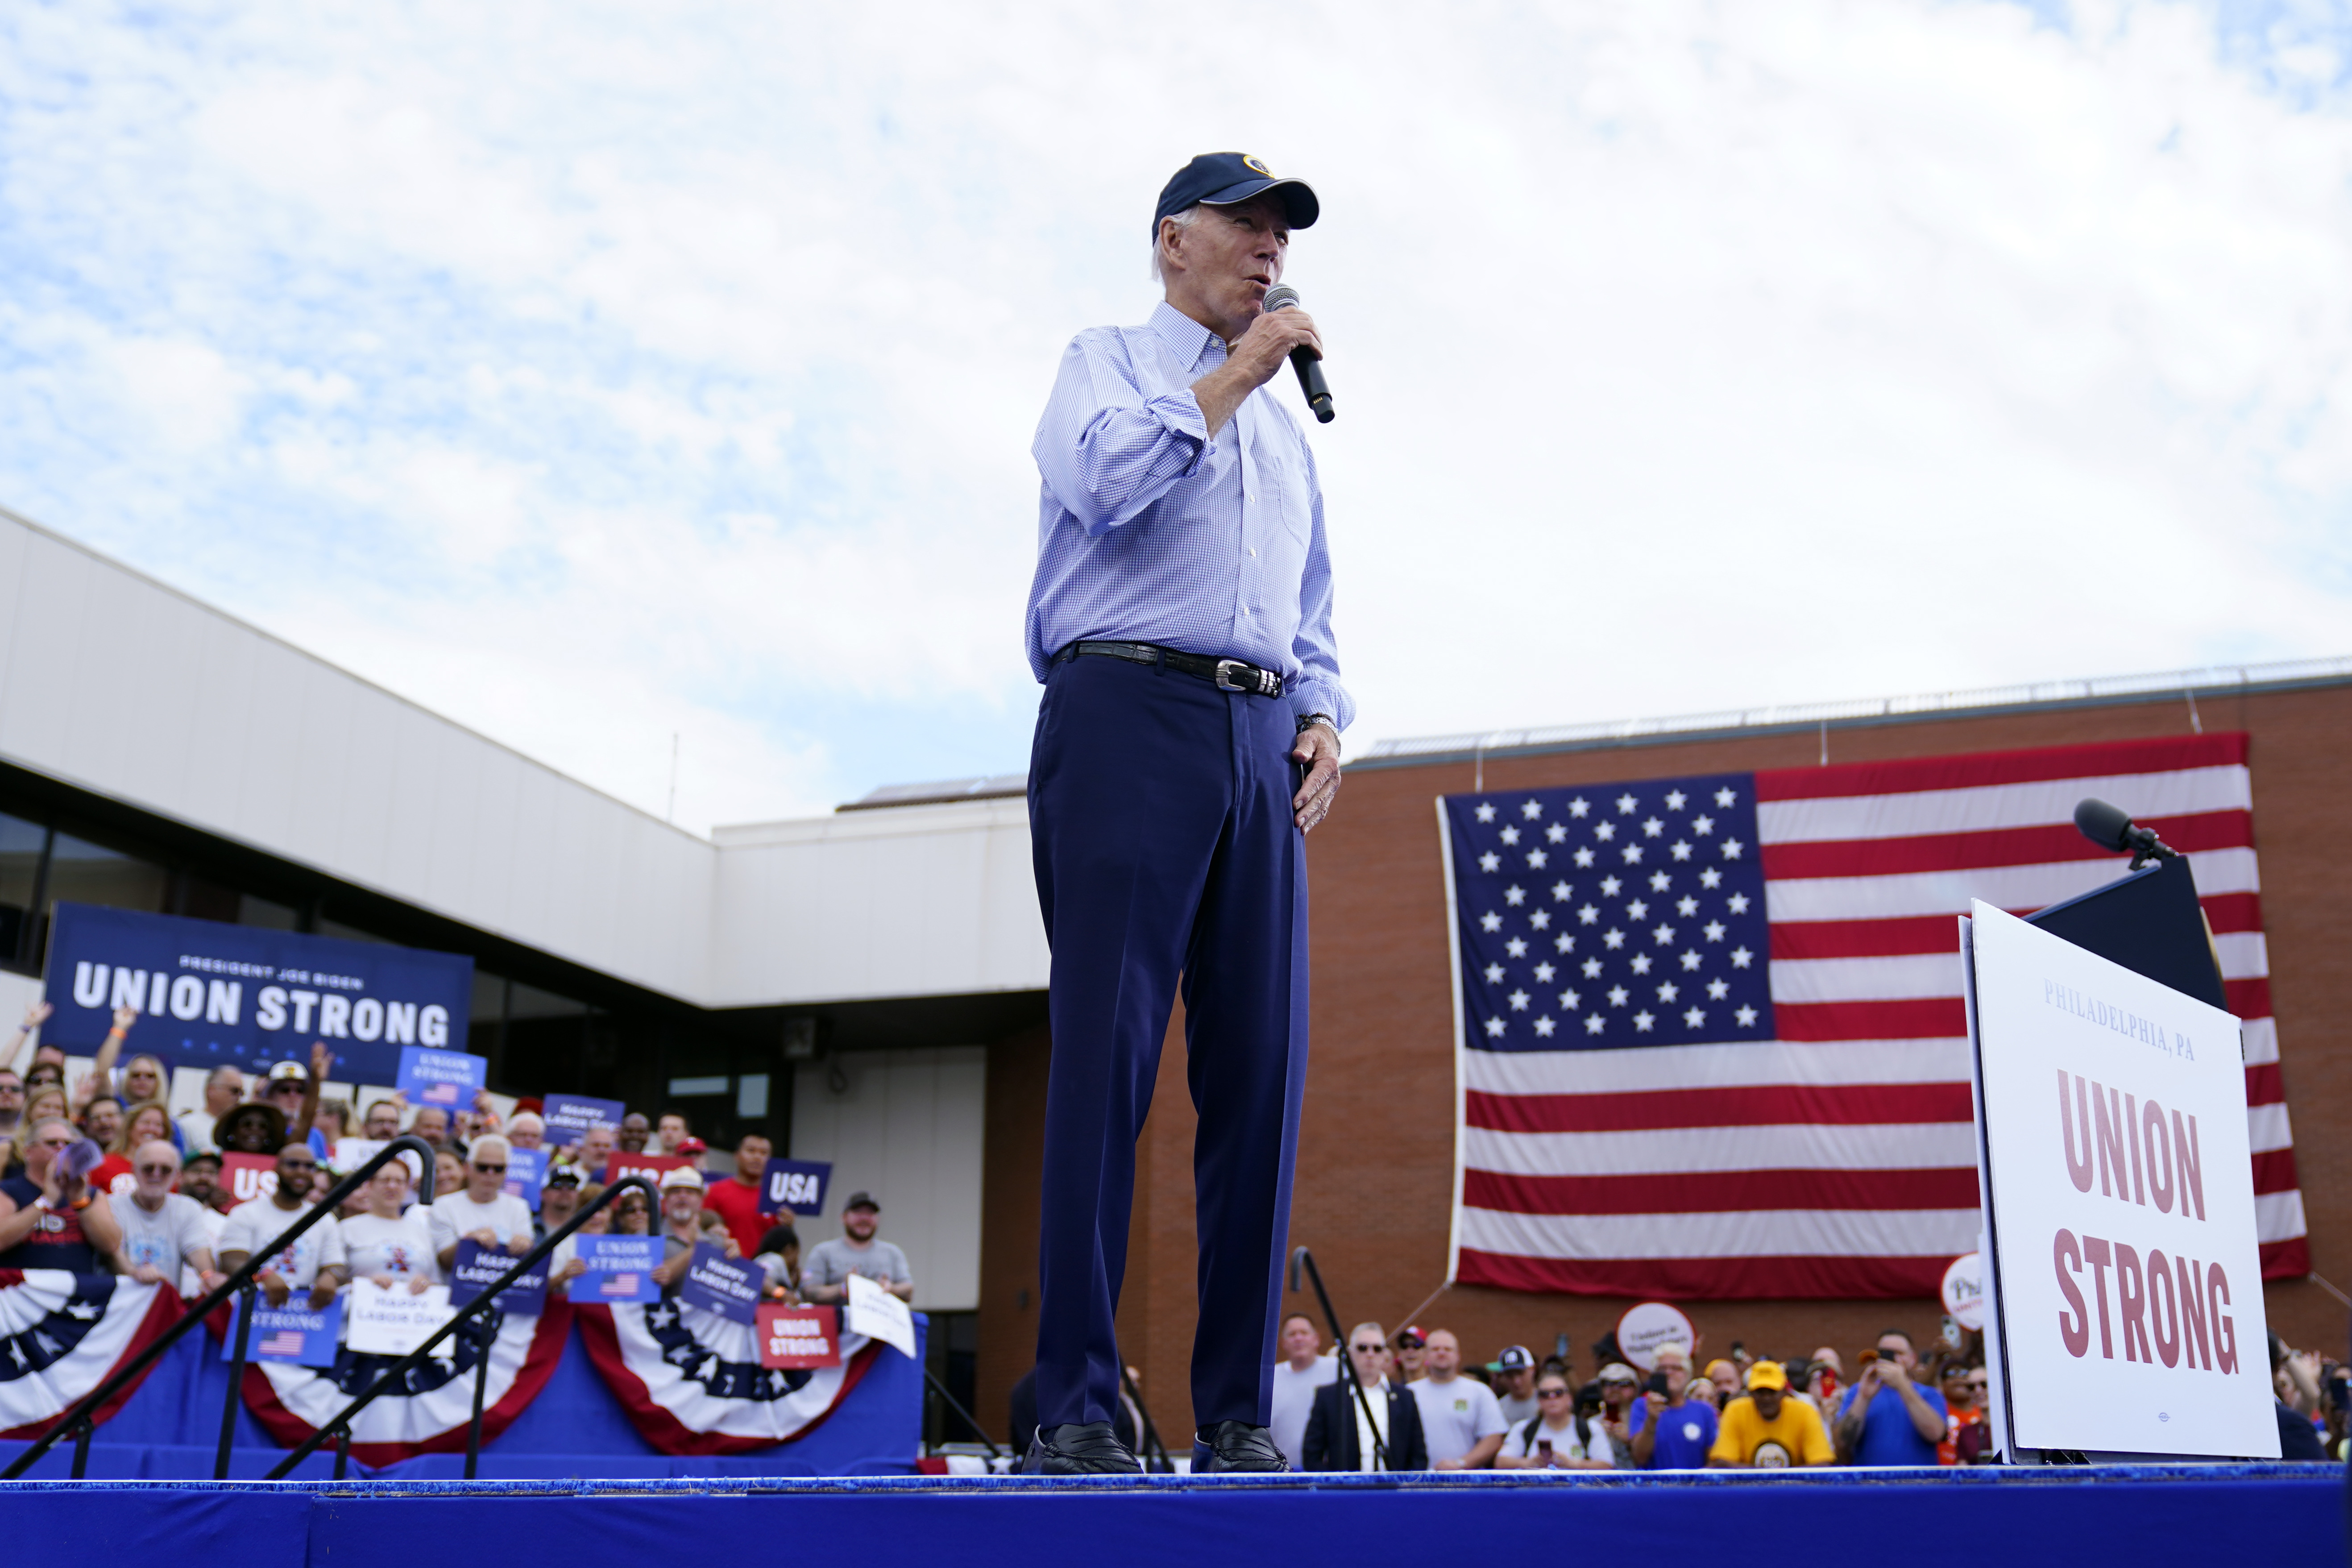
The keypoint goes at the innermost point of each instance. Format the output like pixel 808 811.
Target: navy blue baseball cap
pixel 1221 179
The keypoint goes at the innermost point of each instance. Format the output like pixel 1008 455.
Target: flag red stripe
pixel 1911 775
pixel 1706 1191
pixel 1761 1105
pixel 2046 843
pixel 2264 1086
pixel 1912 1018
pixel 1900 936
pixel 1897 937
pixel 1708 1279
pixel 2288 1260
pixel 2249 998
pixel 2274 1171
pixel 2228 913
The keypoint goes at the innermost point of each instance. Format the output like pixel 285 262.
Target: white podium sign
pixel 2124 1272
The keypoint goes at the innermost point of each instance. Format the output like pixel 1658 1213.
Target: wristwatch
pixel 1309 720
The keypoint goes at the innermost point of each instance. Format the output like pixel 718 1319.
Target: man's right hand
pixel 1657 1404
pixel 273 1286
pixel 1262 350
pixel 1251 362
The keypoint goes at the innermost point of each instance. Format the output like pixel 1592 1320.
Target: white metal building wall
pixel 906 1126
pixel 118 685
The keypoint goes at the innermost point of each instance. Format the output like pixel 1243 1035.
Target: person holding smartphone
pixel 1672 1431
pixel 1558 1439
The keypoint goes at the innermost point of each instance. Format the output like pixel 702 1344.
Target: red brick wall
pixel 1375 1166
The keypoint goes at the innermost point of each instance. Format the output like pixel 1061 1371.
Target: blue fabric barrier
pixel 2020 1519
pixel 169 1430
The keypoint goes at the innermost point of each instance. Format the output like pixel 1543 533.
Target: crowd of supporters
pixel 1410 1403
pixel 103 1176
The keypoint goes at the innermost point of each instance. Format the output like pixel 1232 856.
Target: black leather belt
pixel 1224 674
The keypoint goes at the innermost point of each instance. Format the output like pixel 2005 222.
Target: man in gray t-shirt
pixel 825 1271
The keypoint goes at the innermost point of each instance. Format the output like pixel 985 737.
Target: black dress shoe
pixel 1235 1446
pixel 1080 1448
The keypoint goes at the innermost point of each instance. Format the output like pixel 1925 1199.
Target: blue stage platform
pixel 1964 1519
pixel 169 1430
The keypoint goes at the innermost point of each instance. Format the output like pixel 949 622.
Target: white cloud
pixel 592 373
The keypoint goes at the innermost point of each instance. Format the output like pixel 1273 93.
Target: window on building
pixel 267 914
pixel 545 1042
pixel 81 872
pixel 21 843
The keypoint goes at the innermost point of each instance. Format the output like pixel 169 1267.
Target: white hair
pixel 490 1143
pixel 1183 221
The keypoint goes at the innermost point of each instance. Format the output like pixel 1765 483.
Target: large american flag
pixel 1709 1029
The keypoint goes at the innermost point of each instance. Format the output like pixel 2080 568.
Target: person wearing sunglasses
pixel 484 1212
pixel 163 1233
pixel 1556 1438
pixel 312 1261
pixel 49 1218
pixel 1344 1433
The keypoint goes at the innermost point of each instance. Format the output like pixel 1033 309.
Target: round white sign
pixel 1648 1325
pixel 1964 1290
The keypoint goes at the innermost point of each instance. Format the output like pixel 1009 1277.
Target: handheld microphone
pixel 1304 360
pixel 2111 827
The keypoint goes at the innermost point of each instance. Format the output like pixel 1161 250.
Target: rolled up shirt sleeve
pixel 1105 450
pixel 1317 689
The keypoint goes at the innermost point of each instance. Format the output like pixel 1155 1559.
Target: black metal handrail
pixel 77 1421
pixel 398 1371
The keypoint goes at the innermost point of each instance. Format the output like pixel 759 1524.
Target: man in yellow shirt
pixel 1766 1429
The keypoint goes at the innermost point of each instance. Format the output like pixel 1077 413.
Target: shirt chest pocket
pixel 1284 503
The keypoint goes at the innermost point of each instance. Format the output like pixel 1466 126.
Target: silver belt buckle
pixel 1225 665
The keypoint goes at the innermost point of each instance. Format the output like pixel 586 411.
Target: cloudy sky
pixel 594 374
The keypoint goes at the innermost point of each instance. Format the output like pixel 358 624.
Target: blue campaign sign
pixel 794 1184
pixel 569 1115
pixel 476 1268
pixel 445 1078
pixel 291 1333
pixel 728 1286
pixel 211 995
pixel 526 1174
pixel 619 1268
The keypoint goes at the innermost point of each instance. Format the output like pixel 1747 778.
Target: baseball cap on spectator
pixel 531 1103
pixel 289 1075
pixel 1767 1374
pixel 1410 1334
pixel 565 1175
pixel 1617 1372
pixel 861 1200
pixel 1515 1358
pixel 690 1146
pixel 681 1176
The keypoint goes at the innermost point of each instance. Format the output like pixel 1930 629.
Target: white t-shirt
pixel 458 1215
pixel 196 1127
pixel 1293 1402
pixel 1517 1411
pixel 192 1284
pixel 1565 1444
pixel 401 1247
pixel 163 1240
pixel 253 1224
pixel 1456 1414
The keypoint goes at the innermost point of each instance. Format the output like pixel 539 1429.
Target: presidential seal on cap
pixel 1221 179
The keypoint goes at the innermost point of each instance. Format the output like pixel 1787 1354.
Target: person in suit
pixel 1335 1436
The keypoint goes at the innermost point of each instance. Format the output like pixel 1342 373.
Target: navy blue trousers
pixel 1159 816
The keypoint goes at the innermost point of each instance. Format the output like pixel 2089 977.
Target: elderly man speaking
pixel 1180 621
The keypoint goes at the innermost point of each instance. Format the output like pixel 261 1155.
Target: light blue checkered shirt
pixel 1147 531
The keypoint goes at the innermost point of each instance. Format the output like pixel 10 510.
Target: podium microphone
pixel 2111 827
pixel 1304 360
